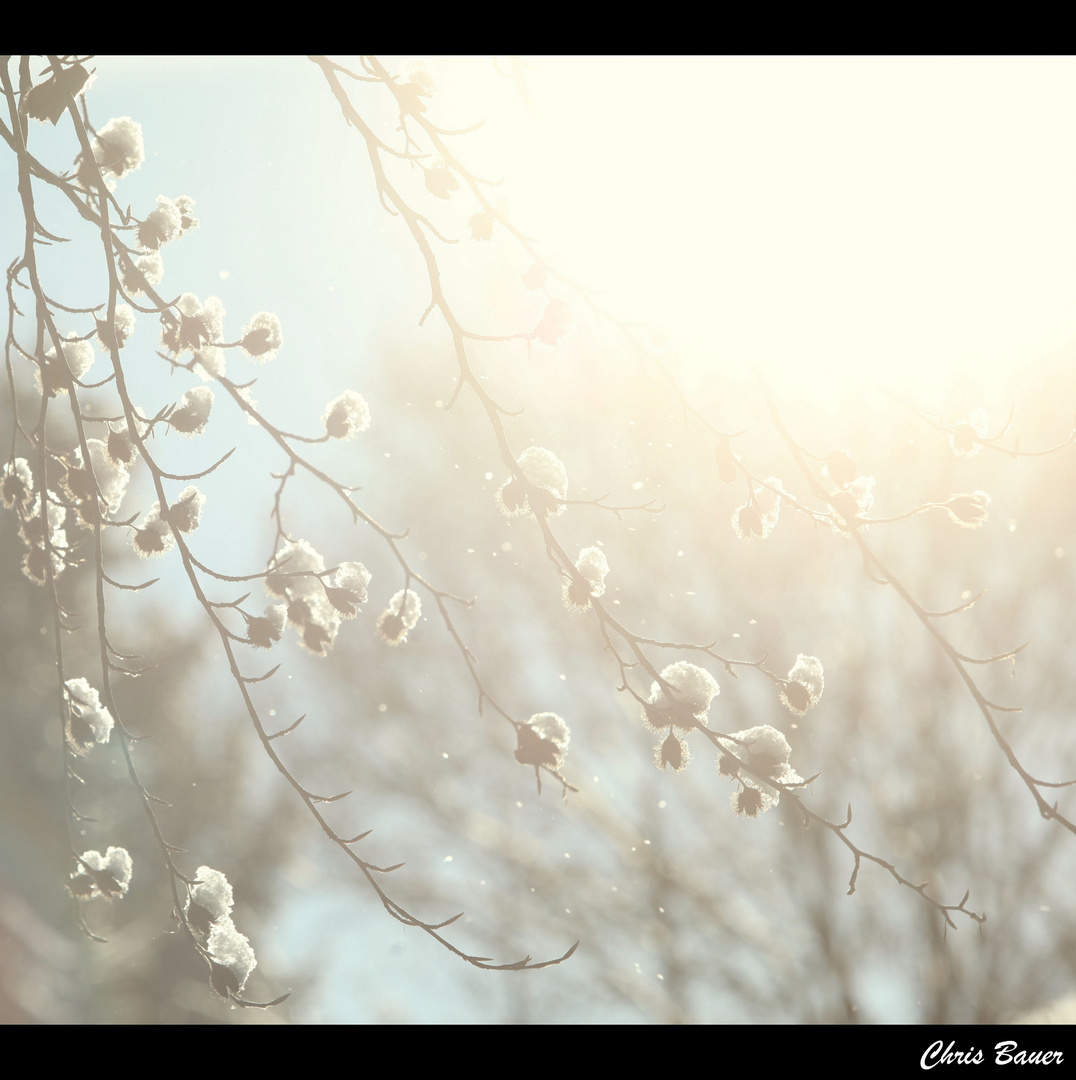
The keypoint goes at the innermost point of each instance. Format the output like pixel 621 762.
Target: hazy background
pixel 850 226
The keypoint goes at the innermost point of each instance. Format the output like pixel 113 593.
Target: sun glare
pixel 836 221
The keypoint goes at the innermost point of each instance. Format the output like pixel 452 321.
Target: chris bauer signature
pixel 1005 1053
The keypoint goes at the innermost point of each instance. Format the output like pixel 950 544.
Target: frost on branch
pixel 803 690
pixel 78 359
pixel 416 81
pixel 965 436
pixel 262 337
pixel 88 721
pixel 544 487
pixel 482 226
pixel 316 603
pixel 119 149
pixel 346 415
pixel 161 226
pixel 185 205
pixel 440 181
pixel 294 571
pixel 673 751
pixel 210 899
pixel 319 623
pixel 209 915
pixel 759 516
pixel 692 689
pixel 115 334
pixel 200 325
pixel 969 511
pixel 47 101
pixel 153 535
pixel 148 270
pixel 17 484
pixel 765 751
pixel 295 575
pixel 41 533
pixel 119 447
pixel 100 488
pixel 556 324
pixel 753 798
pixel 107 876
pixel 191 415
pixel 185 514
pixel 543 740
pixel 348 588
pixel 263 631
pixel 231 958
pixel 851 503
pixel 401 615
pixel 589 579
pixel 543 470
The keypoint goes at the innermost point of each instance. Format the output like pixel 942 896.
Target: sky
pixel 837 221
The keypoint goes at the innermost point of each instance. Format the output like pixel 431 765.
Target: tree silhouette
pixel 742 588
